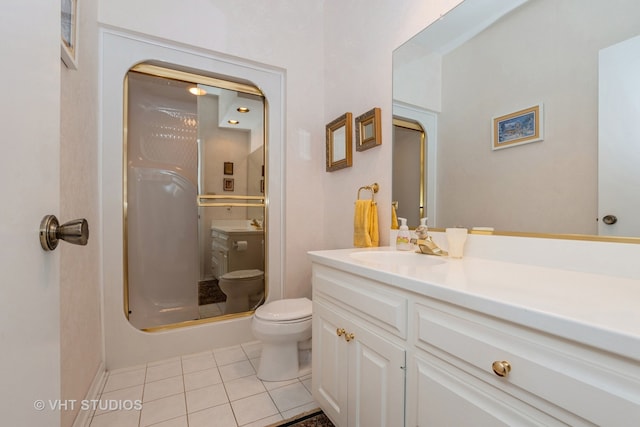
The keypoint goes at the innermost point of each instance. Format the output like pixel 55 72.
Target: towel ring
pixel 373 188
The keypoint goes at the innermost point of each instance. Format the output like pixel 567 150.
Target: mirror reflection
pixel 488 59
pixel 194 200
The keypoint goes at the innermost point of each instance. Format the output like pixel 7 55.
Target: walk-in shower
pixel 194 165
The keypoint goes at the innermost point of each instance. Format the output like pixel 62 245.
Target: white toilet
pixel 284 328
pixel 242 288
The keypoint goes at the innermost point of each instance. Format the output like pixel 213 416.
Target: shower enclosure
pixel 194 158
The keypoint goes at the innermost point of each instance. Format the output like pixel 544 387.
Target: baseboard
pixel 83 419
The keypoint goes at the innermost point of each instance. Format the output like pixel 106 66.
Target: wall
pixel 80 308
pixel 360 37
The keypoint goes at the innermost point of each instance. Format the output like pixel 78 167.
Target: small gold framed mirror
pixel 339 144
pixel 368 130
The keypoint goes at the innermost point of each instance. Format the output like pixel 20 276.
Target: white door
pixel 29 189
pixel 619 139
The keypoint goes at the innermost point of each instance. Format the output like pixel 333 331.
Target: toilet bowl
pixel 242 288
pixel 283 327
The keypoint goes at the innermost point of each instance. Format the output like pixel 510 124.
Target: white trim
pixel 83 419
pixel 120 50
pixel 429 122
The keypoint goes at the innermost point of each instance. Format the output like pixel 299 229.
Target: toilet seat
pixel 243 275
pixel 285 310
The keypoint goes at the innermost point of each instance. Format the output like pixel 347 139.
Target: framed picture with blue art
pixel 517 128
pixel 69 33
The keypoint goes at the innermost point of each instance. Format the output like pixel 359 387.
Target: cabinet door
pixel 330 365
pixel 358 382
pixel 376 380
pixel 442 395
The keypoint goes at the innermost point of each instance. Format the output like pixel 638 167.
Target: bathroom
pixel 324 52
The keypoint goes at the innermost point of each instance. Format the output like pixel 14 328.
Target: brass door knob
pixel 501 368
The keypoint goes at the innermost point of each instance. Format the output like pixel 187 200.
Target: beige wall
pixel 80 307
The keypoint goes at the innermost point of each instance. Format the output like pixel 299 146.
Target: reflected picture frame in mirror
pixel 517 128
pixel 368 130
pixel 339 143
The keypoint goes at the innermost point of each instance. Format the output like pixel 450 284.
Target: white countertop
pixel 598 310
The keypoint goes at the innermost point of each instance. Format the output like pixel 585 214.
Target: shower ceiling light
pixel 233 122
pixel 242 110
pixel 197 91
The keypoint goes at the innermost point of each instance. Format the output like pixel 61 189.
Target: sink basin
pixel 396 258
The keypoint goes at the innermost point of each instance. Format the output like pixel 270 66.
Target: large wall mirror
pixel 194 197
pixel 490 58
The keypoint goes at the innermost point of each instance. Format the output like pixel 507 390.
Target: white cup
pixel 456 238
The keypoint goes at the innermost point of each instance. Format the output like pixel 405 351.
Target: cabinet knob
pixel 340 332
pixel 501 368
pixel 349 336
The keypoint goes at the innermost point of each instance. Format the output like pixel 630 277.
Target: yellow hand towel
pixel 365 224
pixel 394 217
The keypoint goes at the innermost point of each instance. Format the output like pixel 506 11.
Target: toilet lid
pixel 285 309
pixel 242 274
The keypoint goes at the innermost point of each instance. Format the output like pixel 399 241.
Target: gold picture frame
pixel 227 184
pixel 517 128
pixel 228 168
pixel 368 130
pixel 339 143
pixel 69 33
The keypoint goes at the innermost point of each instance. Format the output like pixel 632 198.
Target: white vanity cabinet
pixel 359 357
pixel 546 381
pixel 463 366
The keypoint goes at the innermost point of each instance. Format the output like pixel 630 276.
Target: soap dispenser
pixel 403 239
pixel 422 231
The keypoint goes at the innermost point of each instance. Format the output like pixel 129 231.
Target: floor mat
pixel 315 418
pixel 209 293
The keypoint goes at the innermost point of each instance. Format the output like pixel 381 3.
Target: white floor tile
pixel 199 363
pixel 271 385
pixel 218 416
pixel 299 410
pixel 164 370
pixel 124 379
pixel 236 370
pixel 174 422
pixel 201 379
pixel 217 388
pixel 253 408
pixel 244 387
pixel 265 421
pixel 229 355
pixel 206 397
pixel 116 418
pixel 291 396
pixel 163 409
pixel 252 349
pixel 163 388
pixel 130 394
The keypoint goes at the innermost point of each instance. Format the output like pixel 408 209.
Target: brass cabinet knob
pixel 349 336
pixel 340 332
pixel 501 368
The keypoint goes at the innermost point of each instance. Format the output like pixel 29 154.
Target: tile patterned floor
pixel 216 388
